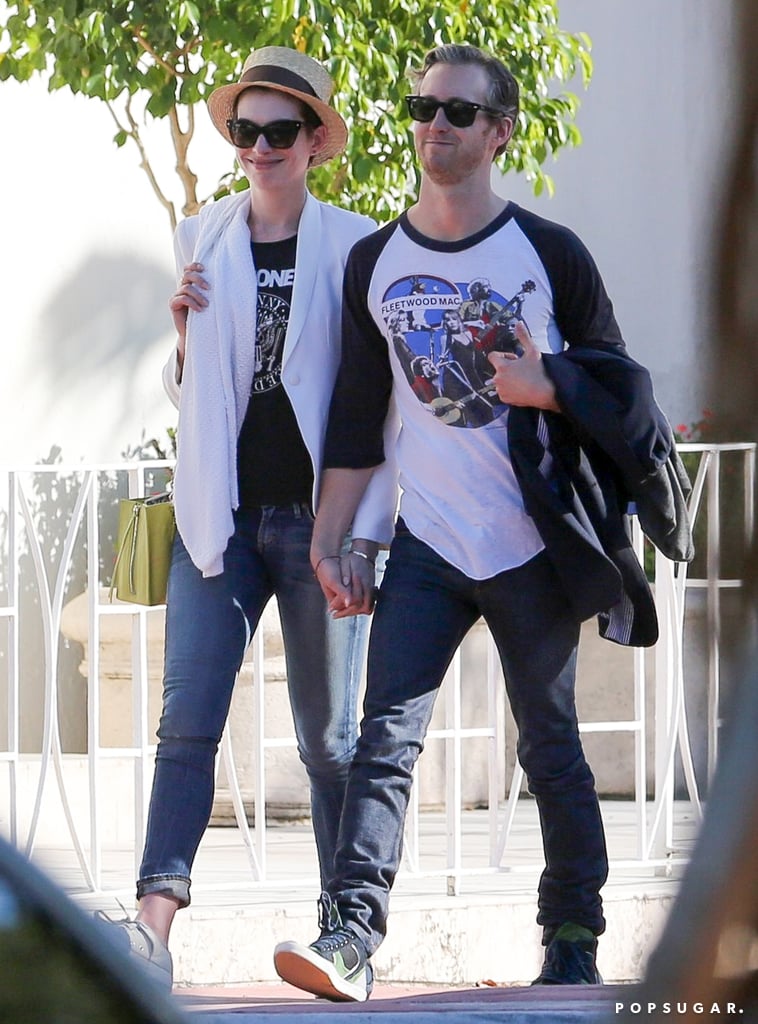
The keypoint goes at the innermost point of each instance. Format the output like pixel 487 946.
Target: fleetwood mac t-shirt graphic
pixel 442 333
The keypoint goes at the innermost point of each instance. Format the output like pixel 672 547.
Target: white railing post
pixel 661 837
pixel 496 749
pixel 14 664
pixel 93 686
pixel 640 719
pixel 453 773
pixel 713 615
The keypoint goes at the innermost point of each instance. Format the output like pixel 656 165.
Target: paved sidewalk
pixel 406 1004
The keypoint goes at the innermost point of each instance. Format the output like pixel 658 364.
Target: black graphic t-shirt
pixel 273 464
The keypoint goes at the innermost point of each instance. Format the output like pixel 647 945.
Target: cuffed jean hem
pixel 175 886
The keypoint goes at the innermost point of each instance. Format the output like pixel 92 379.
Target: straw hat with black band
pixel 291 72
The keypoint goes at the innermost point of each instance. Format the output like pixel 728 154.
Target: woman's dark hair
pixel 307 114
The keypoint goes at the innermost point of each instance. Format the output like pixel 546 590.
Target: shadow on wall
pixel 95 331
pixel 110 310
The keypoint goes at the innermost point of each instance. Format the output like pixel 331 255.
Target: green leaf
pixel 363 169
pixel 173 54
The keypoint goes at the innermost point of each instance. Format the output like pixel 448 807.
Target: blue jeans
pixel 209 623
pixel 425 608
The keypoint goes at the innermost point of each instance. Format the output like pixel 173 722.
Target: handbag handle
pixel 129 538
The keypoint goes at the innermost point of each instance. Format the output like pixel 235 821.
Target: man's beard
pixel 453 172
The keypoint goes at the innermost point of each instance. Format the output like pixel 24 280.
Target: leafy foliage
pixel 157 61
pixel 154 448
pixel 702 430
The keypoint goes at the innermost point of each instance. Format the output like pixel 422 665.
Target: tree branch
pixel 186 175
pixel 112 112
pixel 139 38
pixel 133 133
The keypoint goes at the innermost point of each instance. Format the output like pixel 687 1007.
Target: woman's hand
pixel 188 295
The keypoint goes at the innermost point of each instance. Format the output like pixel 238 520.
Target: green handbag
pixel 146 528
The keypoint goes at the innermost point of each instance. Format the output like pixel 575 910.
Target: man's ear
pixel 505 127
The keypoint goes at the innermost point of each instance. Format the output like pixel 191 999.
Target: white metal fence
pixel 56 540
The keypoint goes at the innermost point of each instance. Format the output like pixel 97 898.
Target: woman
pixel 257 313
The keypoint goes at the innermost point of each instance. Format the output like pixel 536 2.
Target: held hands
pixel 522 380
pixel 348 584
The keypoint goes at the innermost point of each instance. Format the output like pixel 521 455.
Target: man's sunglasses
pixel 278 134
pixel 460 113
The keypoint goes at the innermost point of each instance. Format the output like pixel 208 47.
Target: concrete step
pixel 485 933
pixel 475 938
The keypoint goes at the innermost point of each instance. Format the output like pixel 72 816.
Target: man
pixel 503 517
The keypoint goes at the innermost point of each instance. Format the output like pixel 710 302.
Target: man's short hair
pixel 503 93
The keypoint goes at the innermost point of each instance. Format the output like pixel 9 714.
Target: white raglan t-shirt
pixel 419 318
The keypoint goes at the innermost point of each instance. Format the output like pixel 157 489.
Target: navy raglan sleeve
pixel 362 391
pixel 582 308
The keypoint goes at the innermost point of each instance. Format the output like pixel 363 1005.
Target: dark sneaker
pixel 570 958
pixel 142 945
pixel 335 966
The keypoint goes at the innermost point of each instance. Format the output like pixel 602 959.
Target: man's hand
pixel 522 380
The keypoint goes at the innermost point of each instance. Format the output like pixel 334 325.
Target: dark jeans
pixel 425 608
pixel 209 623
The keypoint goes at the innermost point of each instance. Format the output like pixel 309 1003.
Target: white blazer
pixel 218 367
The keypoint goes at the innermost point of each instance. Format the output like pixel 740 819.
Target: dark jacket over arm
pixel 612 446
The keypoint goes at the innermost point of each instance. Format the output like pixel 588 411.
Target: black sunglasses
pixel 278 134
pixel 460 113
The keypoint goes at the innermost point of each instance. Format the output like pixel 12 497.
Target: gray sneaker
pixel 142 945
pixel 335 966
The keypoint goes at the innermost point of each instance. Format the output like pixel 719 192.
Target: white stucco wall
pixel 641 189
pixel 86 268
pixel 78 218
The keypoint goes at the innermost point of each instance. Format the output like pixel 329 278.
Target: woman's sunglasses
pixel 278 134
pixel 460 113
